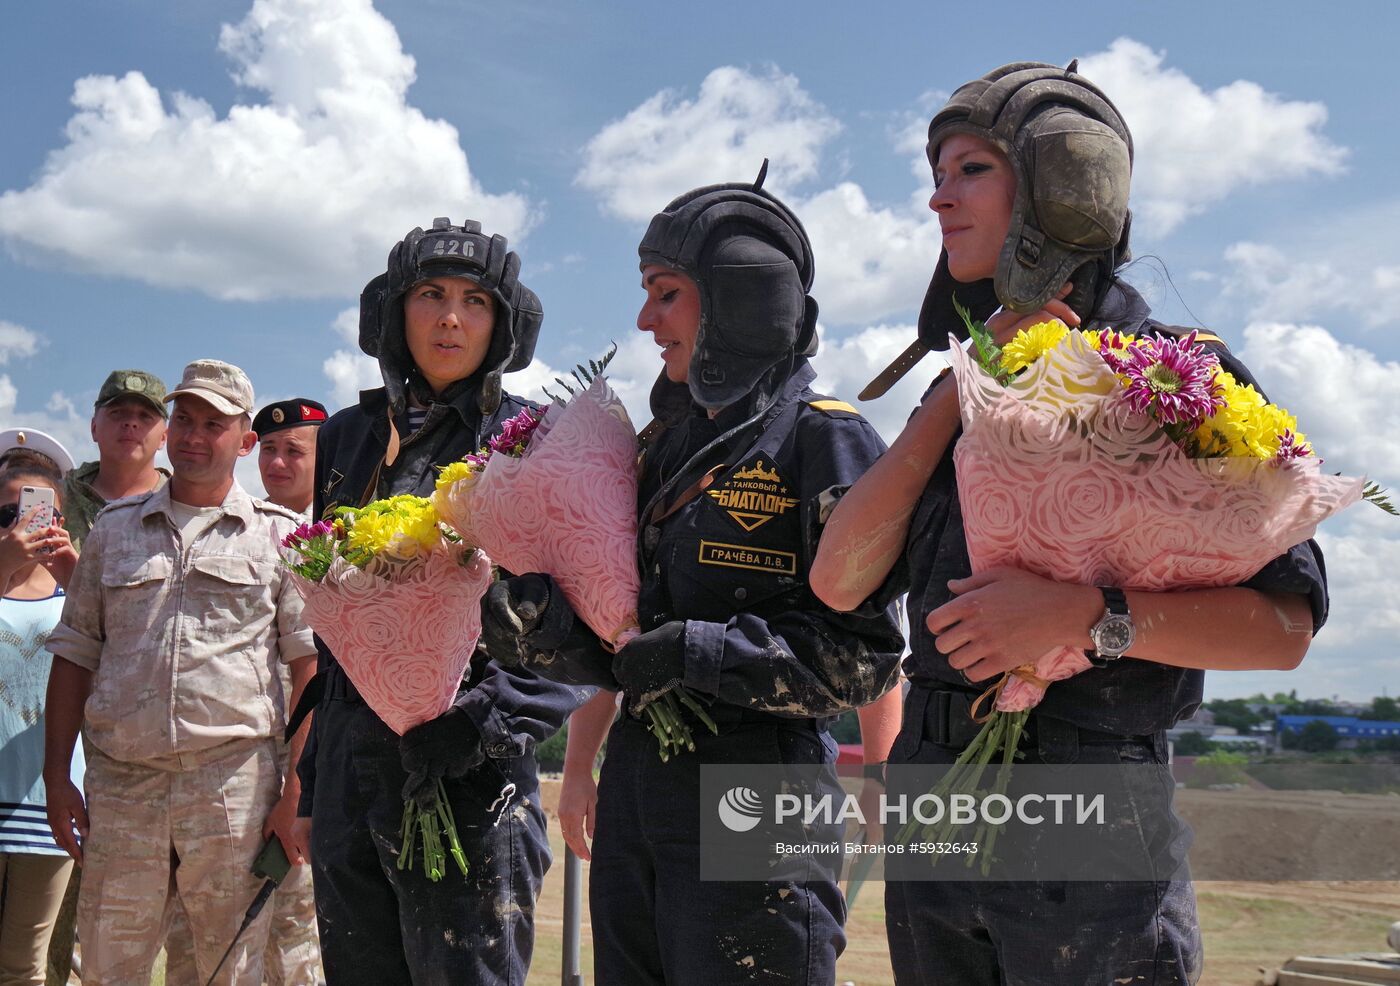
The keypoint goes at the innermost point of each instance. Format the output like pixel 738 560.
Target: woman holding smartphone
pixel 36 558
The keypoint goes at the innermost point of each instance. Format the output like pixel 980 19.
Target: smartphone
pixel 36 496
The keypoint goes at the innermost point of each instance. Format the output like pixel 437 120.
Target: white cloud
pixel 16 340
pixel 670 144
pixel 872 262
pixel 1350 264
pixel 296 196
pixel 59 418
pixel 1346 399
pixel 1194 147
pixel 349 370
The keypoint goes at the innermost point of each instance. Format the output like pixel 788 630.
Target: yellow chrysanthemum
pixel 1265 427
pixel 1030 344
pixel 1247 425
pixel 454 472
pixel 400 526
pixel 1119 341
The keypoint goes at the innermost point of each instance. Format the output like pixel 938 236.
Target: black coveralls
pixel 731 561
pixel 380 925
pixel 1018 934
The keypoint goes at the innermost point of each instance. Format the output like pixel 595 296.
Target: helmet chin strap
pixel 764 402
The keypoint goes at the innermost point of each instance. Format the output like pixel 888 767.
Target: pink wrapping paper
pixel 567 508
pixel 1057 477
pixel 403 632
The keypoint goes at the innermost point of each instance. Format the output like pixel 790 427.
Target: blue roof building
pixel 1347 727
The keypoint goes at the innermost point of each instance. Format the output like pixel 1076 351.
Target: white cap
pixel 36 441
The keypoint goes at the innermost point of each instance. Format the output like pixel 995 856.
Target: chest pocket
pixel 714 579
pixel 231 590
pixel 137 572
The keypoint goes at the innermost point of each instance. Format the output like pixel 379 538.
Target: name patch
pixel 753 495
pixel 746 557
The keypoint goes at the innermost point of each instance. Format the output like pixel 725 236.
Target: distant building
pixel 1350 729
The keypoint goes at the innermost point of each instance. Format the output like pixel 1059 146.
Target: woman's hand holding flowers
pixel 1006 617
pixel 448 746
pixel 651 663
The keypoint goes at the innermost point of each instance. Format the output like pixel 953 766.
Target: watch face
pixel 1114 635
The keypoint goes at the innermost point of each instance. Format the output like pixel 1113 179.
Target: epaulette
pixel 268 507
pixel 1180 330
pixel 833 408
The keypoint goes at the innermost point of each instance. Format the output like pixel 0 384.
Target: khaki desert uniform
pixel 182 728
pixel 293 953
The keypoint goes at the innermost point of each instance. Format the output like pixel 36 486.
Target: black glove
pixel 651 664
pixel 447 746
pixel 522 615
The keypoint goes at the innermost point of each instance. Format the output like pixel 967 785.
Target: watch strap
pixel 1114 600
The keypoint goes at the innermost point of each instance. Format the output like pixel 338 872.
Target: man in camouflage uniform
pixel 177 616
pixel 286 462
pixel 128 425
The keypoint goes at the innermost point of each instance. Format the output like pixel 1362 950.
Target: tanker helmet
pixel 450 251
pixel 1071 154
pixel 752 262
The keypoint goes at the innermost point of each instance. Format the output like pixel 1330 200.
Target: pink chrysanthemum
pixel 1173 380
pixel 1115 348
pixel 1291 449
pixel 307 532
pixel 515 433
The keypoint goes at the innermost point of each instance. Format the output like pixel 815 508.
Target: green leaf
pixel 987 351
pixel 1373 493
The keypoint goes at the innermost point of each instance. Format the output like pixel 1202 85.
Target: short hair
pixel 17 462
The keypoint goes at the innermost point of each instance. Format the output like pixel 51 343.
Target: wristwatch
pixel 1114 633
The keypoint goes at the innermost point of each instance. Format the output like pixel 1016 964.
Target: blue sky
pixel 220 179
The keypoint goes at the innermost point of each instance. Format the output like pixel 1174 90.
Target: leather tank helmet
pixel 752 262
pixel 1071 154
pixel 450 251
pixel 1072 157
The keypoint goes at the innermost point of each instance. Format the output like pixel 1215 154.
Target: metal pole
pixel 573 917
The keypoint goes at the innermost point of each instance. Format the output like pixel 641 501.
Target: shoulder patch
pixel 834 407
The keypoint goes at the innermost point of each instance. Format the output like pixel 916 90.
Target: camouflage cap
pixel 133 383
pixel 223 385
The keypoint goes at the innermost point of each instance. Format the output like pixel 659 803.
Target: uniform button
pixel 499 750
pixel 741 593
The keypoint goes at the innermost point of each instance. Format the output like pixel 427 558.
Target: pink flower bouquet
pixel 558 494
pixel 399 605
pixel 1099 459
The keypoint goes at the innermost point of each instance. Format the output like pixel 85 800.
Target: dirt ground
pixel 1248 923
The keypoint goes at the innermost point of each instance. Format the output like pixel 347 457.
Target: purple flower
pixel 1290 449
pixel 1173 380
pixel 308 532
pixel 515 433
pixel 1114 349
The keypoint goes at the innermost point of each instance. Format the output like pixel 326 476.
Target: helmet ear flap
pixel 807 335
pixel 529 316
pixel 372 315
